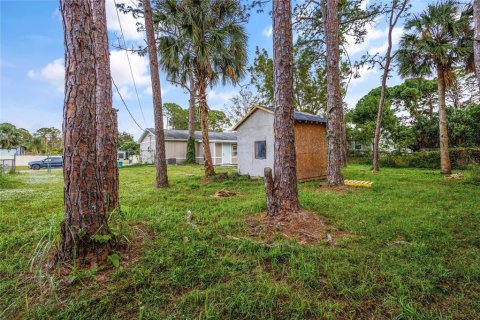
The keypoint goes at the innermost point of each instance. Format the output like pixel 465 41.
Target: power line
pixel 121 98
pixel 129 64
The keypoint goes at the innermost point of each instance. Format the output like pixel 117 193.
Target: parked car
pixel 52 162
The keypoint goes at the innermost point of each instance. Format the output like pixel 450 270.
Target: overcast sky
pixel 32 65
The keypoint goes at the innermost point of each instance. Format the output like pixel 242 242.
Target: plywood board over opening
pixel 311 150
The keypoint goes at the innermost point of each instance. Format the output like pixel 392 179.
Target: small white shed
pixel 256 143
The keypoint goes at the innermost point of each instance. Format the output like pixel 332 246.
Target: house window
pixel 260 149
pixel 234 150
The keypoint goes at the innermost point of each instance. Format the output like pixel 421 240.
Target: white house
pixel 223 146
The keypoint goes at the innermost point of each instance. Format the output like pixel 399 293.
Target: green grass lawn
pixel 413 251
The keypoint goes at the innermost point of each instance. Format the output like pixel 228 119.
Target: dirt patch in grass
pixel 224 193
pixel 323 187
pixel 304 227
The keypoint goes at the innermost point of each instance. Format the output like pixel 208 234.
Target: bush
pixel 474 174
pixel 460 158
pixel 190 151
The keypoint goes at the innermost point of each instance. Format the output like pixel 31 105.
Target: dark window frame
pixel 260 152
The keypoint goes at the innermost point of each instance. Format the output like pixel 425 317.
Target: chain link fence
pixel 7 165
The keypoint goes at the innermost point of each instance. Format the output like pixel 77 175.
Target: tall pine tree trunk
pixel 334 98
pixel 85 220
pixel 208 164
pixel 445 166
pixel 476 37
pixel 388 58
pixel 161 161
pixel 282 196
pixel 191 157
pixel 106 117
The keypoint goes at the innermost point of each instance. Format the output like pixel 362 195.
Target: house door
pixel 226 153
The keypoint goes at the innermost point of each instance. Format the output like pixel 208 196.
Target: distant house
pixel 223 146
pixel 256 143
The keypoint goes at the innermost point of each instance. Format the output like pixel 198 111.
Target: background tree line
pixel 410 116
pixel 42 141
pixel 178 118
pixel 49 140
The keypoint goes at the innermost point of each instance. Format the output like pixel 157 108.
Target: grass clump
pixel 474 174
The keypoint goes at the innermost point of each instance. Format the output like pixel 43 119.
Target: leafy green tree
pixel 217 45
pixel 218 121
pixel 9 136
pixel 177 117
pixel 241 104
pixel 127 143
pixel 436 41
pixel 364 118
pixel 51 139
pixel 35 145
pixel 417 96
pixel 24 137
pixel 310 78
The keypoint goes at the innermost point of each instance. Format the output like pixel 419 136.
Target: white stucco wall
pixel 147 149
pixel 258 127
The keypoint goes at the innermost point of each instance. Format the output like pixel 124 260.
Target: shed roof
pixel 298 116
pixel 182 135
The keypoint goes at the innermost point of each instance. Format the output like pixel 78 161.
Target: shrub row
pixel 459 157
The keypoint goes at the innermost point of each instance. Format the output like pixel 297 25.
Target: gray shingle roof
pixel 304 117
pixel 171 134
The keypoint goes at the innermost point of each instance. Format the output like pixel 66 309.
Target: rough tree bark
pixel 445 166
pixel 191 121
pixel 334 98
pixel 476 38
pixel 282 197
pixel 394 16
pixel 161 161
pixel 106 117
pixel 208 164
pixel 84 230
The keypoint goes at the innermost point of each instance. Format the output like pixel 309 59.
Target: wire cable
pixel 121 98
pixel 129 64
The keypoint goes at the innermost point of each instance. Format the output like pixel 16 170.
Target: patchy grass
pixel 413 251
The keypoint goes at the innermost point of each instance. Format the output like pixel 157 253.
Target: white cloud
pixel 268 31
pixel 127 21
pixel 372 34
pixel 124 92
pixel 54 73
pixel 121 71
pixel 165 90
pixel 364 73
pixel 219 98
pixel 396 35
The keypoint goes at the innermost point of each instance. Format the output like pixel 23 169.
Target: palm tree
pixel 203 41
pixel 179 69
pixel 476 43
pixel 9 136
pixel 35 144
pixel 435 41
